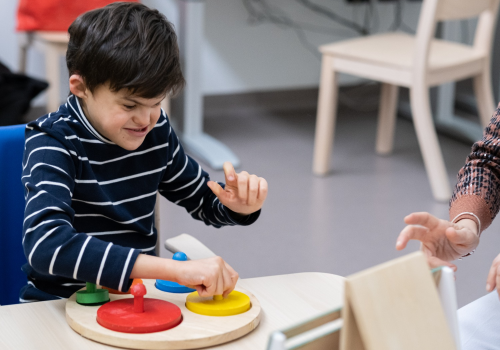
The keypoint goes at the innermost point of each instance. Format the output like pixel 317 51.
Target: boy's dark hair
pixel 128 45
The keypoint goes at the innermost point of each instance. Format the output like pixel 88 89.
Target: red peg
pixel 138 291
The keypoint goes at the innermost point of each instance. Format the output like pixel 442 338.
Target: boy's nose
pixel 142 118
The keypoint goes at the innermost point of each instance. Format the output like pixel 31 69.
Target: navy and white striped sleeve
pixel 185 184
pixel 51 244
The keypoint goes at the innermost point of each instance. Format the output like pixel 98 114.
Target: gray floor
pixel 341 223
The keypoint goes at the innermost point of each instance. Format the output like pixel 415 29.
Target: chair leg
pixel 326 116
pixel 387 118
pixel 484 96
pixel 429 144
pixel 53 77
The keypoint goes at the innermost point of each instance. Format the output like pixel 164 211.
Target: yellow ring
pixel 235 303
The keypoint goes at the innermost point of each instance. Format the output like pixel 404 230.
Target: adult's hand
pixel 442 241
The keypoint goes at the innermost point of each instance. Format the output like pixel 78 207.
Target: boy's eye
pixel 129 107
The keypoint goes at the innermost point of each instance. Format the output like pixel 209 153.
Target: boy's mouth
pixel 138 131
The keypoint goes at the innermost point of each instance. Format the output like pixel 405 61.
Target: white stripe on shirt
pixel 118 202
pixel 59 149
pixel 179 173
pixel 54 184
pixel 120 222
pixel 82 139
pixel 193 193
pixel 125 269
pixel 189 184
pixel 75 273
pixel 41 164
pixel 39 211
pixel 32 137
pixel 108 232
pixel 40 241
pixel 129 155
pixel 121 178
pixel 53 260
pixel 103 261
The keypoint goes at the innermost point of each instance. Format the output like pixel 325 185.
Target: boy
pixel 92 169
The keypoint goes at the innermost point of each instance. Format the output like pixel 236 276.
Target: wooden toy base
pixel 195 331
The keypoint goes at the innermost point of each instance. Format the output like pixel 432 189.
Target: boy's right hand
pixel 442 241
pixel 212 276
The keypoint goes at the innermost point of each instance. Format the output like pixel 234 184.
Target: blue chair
pixel 11 214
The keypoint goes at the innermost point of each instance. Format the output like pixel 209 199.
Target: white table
pixel 285 300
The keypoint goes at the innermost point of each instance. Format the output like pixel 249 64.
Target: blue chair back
pixel 11 214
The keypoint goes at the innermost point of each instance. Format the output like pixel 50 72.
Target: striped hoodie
pixel 90 203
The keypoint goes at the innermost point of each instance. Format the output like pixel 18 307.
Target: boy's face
pixel 119 116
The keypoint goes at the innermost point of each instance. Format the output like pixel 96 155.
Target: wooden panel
pixel 460 9
pixel 396 306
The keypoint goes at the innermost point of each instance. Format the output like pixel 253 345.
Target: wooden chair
pixel 392 306
pixel 418 63
pixel 54 45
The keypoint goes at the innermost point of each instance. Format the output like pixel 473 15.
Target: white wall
pixel 237 56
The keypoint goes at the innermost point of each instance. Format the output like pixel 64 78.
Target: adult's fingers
pixel 230 174
pixel 491 279
pixel 423 219
pixel 497 279
pixel 408 233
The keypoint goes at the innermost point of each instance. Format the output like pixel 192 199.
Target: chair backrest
pixel 11 214
pixel 434 11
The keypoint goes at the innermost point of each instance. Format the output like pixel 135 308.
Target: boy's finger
pixel 410 232
pixel 230 174
pixel 253 189
pixel 219 290
pixel 423 219
pixel 228 285
pixel 262 189
pixel 243 185
pixel 217 190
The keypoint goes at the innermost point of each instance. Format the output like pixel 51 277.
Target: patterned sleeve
pixel 478 187
pixel 185 184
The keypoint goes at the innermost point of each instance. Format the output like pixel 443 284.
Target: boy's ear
pixel 77 86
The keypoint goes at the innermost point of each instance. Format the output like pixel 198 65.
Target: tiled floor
pixel 341 223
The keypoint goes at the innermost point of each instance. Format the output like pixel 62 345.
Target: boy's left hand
pixel 244 193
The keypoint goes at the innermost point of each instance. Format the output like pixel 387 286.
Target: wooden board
pixel 394 306
pixel 195 331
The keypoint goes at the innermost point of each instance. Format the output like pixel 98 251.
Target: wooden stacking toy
pixel 188 330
